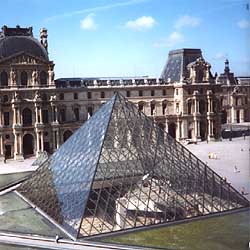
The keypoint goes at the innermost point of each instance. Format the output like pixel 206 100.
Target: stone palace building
pixel 39 113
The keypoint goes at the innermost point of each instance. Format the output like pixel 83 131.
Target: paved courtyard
pixel 229 154
pixel 12 166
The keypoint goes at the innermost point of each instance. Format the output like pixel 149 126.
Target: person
pixel 244 135
pixel 236 169
pixel 242 190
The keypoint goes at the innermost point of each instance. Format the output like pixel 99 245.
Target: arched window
pixel 24 78
pixel 28 145
pixel 140 106
pixel 27 117
pixel 4 78
pixel 43 78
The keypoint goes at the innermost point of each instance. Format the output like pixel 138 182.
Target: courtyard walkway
pixel 230 159
pixel 12 166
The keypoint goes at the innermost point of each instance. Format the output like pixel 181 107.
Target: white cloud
pixel 187 21
pixel 244 24
pixel 220 56
pixel 88 23
pixel 96 9
pixel 141 23
pixel 172 40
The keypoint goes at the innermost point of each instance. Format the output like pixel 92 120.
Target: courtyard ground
pixel 228 155
pixel 12 166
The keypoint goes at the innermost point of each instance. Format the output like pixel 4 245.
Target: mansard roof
pixel 176 66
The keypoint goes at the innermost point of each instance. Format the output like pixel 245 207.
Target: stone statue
pixel 51 74
pixel 43 37
pixel 37 96
pixel 53 98
pixel 13 76
pixel 16 97
pixel 35 76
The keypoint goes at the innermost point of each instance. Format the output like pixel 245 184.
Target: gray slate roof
pixel 11 45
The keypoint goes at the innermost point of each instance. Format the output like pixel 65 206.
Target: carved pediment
pixel 23 59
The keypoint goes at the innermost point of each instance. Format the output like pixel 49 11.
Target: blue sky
pixel 133 37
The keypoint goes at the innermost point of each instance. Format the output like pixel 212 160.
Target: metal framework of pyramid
pixel 121 171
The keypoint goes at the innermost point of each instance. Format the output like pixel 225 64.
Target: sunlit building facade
pixel 39 113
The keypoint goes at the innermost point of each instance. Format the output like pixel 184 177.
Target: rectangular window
pixel 75 96
pixel 45 116
pixel 140 93
pixel 177 91
pixel 89 95
pixel 61 96
pixel 6 118
pixel 62 115
pixel 128 93
pixel 152 93
pixel 164 92
pixel 102 94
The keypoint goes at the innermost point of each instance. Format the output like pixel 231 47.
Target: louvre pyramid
pixel 121 171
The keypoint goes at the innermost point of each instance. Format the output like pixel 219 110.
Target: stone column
pixel 18 115
pixel 14 114
pixel 57 139
pixel 233 111
pixel 40 114
pixel 184 129
pixel 1 147
pixel 210 116
pixel 37 143
pixel 242 115
pixel 15 145
pixel 20 144
pixel 37 113
pixel 178 132
pixel 1 116
pixel 42 141
pixel 197 136
pixel 166 125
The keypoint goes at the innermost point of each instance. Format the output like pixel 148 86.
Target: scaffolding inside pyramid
pixel 121 171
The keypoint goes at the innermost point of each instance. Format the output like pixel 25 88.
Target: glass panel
pixel 60 187
pixel 115 173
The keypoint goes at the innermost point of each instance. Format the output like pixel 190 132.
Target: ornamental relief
pixel 24 59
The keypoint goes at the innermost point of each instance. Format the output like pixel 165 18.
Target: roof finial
pixel 227 69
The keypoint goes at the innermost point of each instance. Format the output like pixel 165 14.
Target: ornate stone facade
pixel 39 113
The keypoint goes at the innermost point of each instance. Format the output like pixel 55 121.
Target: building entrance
pixel 28 145
pixel 7 151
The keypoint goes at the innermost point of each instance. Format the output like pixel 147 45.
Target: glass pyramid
pixel 121 171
